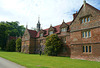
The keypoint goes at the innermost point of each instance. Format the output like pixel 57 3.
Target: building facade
pixel 81 36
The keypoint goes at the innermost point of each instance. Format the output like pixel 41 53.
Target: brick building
pixel 81 37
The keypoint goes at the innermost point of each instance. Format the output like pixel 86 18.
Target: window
pixel 86 34
pixel 63 29
pixel 41 35
pixel 51 32
pixel 89 34
pixel 82 20
pixel 85 19
pixel 83 48
pixel 83 34
pixel 88 19
pixel 87 49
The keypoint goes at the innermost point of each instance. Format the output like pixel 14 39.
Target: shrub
pixel 53 45
pixel 18 45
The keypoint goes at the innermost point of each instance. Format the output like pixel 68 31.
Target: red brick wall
pixel 76 52
pixel 76 37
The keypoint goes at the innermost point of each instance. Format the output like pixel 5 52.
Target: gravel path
pixel 8 64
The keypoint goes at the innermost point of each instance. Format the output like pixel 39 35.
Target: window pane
pixel 86 34
pixel 89 34
pixel 83 34
pixel 51 32
pixel 82 20
pixel 89 48
pixel 85 19
pixel 88 19
pixel 63 29
pixel 83 48
pixel 86 48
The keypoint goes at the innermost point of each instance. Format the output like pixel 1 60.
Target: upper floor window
pixel 82 20
pixel 88 19
pixel 85 19
pixel 41 35
pixel 51 32
pixel 86 34
pixel 63 29
pixel 89 33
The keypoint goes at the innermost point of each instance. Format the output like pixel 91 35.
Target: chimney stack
pixel 74 15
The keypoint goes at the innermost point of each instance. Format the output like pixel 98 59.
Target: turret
pixel 38 25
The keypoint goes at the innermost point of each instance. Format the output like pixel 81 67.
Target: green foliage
pixel 11 29
pixel 3 36
pixel 11 46
pixel 18 45
pixel 53 45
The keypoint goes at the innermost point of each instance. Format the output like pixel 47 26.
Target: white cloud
pixel 50 11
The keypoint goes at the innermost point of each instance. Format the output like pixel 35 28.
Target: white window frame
pixel 51 32
pixel 63 29
pixel 86 32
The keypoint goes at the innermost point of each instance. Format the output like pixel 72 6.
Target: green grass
pixel 37 61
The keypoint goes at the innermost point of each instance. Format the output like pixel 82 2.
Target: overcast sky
pixel 50 11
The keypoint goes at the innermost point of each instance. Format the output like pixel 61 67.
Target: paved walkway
pixel 8 64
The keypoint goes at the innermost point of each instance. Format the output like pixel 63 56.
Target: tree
pixel 11 46
pixel 18 45
pixel 3 36
pixel 53 45
pixel 11 29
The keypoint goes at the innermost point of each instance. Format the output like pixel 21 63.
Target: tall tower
pixel 38 25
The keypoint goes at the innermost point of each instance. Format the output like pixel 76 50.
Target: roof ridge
pixel 58 25
pixel 93 7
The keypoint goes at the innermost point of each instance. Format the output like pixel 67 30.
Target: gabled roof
pixel 57 28
pixel 82 7
pixel 32 33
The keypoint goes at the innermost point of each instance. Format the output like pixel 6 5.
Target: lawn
pixel 37 61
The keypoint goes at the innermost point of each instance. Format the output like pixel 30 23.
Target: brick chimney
pixel 74 15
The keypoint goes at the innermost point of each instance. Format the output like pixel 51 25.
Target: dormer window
pixel 51 32
pixel 41 35
pixel 63 29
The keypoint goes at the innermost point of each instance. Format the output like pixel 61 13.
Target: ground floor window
pixel 87 49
